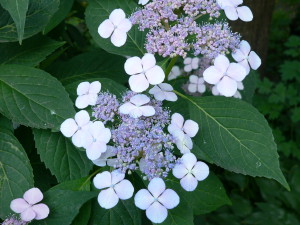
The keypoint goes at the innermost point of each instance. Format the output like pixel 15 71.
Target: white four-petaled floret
pixel 115 27
pixel 189 171
pixel 156 200
pixel 113 187
pixel 143 72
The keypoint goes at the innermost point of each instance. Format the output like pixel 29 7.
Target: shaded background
pixel 275 35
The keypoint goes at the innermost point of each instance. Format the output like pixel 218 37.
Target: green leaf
pixel 208 196
pixel 290 70
pixel 124 213
pixel 62 158
pixel 30 53
pixel 99 10
pixel 235 136
pixel 96 64
pixel 64 206
pixel 62 12
pixel 16 175
pixel 6 124
pixel 84 214
pixel 32 97
pixel 82 184
pixel 180 215
pixel 38 15
pixel 250 86
pixel 17 10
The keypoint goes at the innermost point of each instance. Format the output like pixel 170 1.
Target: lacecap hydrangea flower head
pixel 136 132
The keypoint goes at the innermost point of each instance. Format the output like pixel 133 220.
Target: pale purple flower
pixel 190 64
pixel 29 206
pixel 137 107
pixel 183 131
pixel 225 75
pixel 87 94
pixel 189 171
pixel 163 92
pixel 175 72
pixel 156 200
pixel 196 84
pixel 143 72
pixel 246 57
pixel 77 128
pixel 143 2
pixel 233 11
pixel 106 158
pixel 113 187
pixel 96 142
pixel 115 27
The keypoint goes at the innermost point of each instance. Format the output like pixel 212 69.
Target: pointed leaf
pixel 38 15
pixel 17 10
pixel 32 97
pixel 62 12
pixel 30 53
pixel 16 175
pixel 235 136
pixel 63 159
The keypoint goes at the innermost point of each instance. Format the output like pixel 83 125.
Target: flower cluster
pixel 140 135
pixel 173 30
pixel 136 133
pixel 13 220
pixel 222 78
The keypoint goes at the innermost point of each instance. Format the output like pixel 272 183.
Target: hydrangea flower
pixel 233 11
pixel 87 94
pixel 106 107
pixel 214 91
pixel 196 84
pixel 143 2
pixel 76 128
pixel 115 27
pixel 95 143
pixel 156 200
pixel 13 221
pixel 189 171
pixel 240 87
pixel 190 64
pixel 238 95
pixel 182 132
pixel 137 107
pixel 105 158
pixel 245 56
pixel 189 127
pixel 225 75
pixel 175 72
pixel 28 205
pixel 163 91
pixel 144 139
pixel 113 187
pixel 143 72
